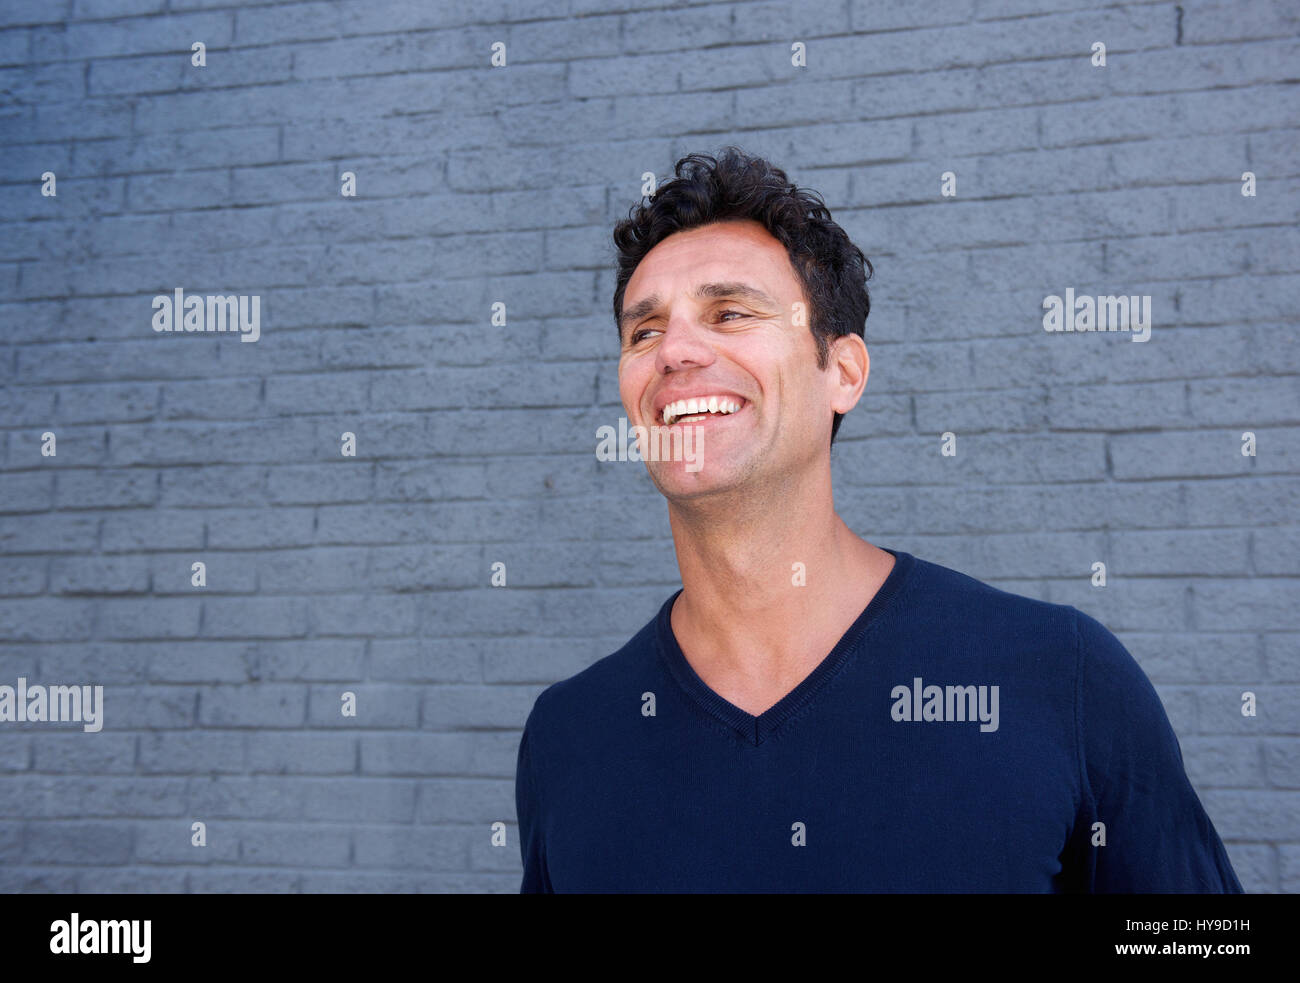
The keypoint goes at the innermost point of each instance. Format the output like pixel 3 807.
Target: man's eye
pixel 638 335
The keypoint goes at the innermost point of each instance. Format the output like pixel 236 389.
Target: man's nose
pixel 685 342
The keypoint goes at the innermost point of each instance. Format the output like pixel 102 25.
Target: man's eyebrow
pixel 742 291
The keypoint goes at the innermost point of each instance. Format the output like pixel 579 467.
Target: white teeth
pixel 698 405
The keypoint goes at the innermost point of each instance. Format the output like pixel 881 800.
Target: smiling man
pixel 811 712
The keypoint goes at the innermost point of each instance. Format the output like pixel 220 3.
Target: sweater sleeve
pixel 528 809
pixel 1158 837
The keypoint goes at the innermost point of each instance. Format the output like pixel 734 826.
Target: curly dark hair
pixel 832 270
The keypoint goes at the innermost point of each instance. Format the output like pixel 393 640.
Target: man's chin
pixel 676 482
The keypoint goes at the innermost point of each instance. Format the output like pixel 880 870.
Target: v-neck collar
pixel 752 729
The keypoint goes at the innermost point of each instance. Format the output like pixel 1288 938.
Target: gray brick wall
pixel 475 442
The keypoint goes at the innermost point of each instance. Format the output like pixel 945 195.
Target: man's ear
pixel 848 370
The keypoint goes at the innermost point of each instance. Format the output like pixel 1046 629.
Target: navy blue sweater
pixel 958 738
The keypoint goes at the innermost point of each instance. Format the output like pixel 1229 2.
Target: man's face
pixel 683 335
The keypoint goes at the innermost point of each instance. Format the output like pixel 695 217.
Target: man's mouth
pixel 700 408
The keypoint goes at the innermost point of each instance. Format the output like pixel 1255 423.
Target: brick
pixel 23 575
pixel 192 752
pixel 378 706
pixel 122 574
pixel 104 843
pixel 84 754
pixel 418 848
pixel 46 619
pixel 271 705
pixel 293 846
pixel 106 488
pixel 421 755
pixel 308 753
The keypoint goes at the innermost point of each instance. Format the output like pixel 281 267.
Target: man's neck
pixel 767 592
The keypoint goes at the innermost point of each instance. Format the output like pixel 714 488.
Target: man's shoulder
pixel 1008 627
pixel 577 699
pixel 959 601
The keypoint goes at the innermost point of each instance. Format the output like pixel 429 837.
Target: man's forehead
pixel 689 274
pixel 705 287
